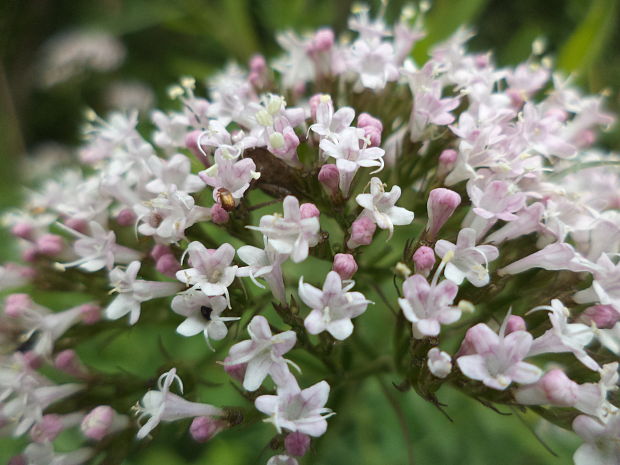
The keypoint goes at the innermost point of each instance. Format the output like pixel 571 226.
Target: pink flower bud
pixel 68 362
pixel 441 205
pixel 18 460
pixel 365 120
pixel 322 41
pixel 30 254
pixel 47 429
pixel 344 265
pixel 448 158
pixel 219 215
pixel 16 304
pixel 314 102
pixel 424 260
pixel 308 210
pixel 78 224
pixel 559 388
pixel 22 230
pixel 97 424
pixel 191 142
pixel 235 371
pixel 297 444
pixel 159 251
pixel 126 217
pixel 203 429
pixel 32 360
pixel 515 323
pixel 91 313
pixel 168 265
pixel 258 64
pixel 603 316
pixel 329 177
pixel 362 231
pixel 50 244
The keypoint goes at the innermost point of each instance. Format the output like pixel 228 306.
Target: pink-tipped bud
pixel 50 244
pixel 308 210
pixel 559 388
pixel 203 429
pixel 191 142
pixel 30 254
pixel 32 359
pixel 90 313
pixel 314 102
pixel 447 159
pixel 329 177
pixel 362 231
pixel 68 362
pixel 236 372
pixel 322 41
pixel 77 224
pixel 47 429
pixel 22 230
pixel 372 128
pixel 515 323
pixel 126 217
pixel 603 316
pixel 168 265
pixel 159 251
pixel 297 444
pixel 98 423
pixel 18 460
pixel 344 265
pixel 441 205
pixel 258 64
pixel 16 304
pixel 219 215
pixel 424 260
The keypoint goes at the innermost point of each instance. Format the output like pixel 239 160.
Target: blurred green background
pixel 164 40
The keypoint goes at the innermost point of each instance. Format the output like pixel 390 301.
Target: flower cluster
pixel 496 213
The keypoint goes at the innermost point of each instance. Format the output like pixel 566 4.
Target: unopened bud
pixel 68 362
pixel 219 215
pixel 297 444
pixel 344 265
pixel 168 265
pixel 16 304
pixel 441 205
pixel 603 316
pixel 362 231
pixel 329 177
pixel 47 429
pixel 126 217
pixel 91 313
pixel 424 260
pixel 22 230
pixel 98 423
pixel 50 244
pixel 515 323
pixel 308 210
pixel 203 429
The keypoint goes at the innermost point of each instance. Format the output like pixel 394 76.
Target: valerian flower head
pixel 333 307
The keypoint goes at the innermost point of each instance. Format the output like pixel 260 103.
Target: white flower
pixel 262 353
pixel 203 314
pixel 333 307
pixel 294 409
pixel 162 405
pixel 290 235
pixel 211 270
pixel 132 292
pixel 380 207
pixel 466 260
pixel 266 264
